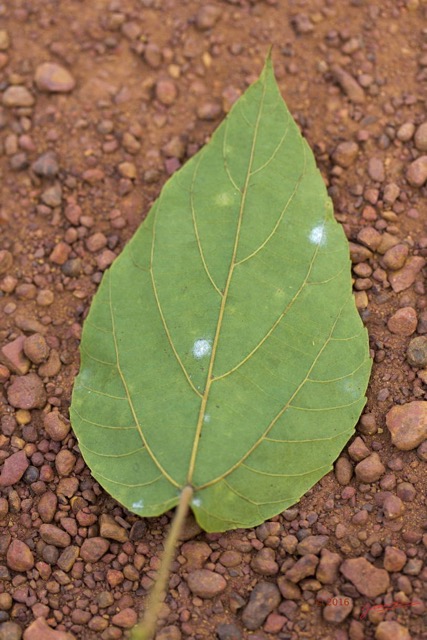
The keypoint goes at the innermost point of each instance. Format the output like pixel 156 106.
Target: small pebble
pixel 153 55
pixel 46 165
pixel 302 24
pixel 393 507
pixel 54 78
pixel 405 131
pixel 338 610
pixel 207 16
pixel 368 579
pixel 376 170
pixel 391 630
pixel 6 261
pixel 36 348
pixel 96 242
pixel 345 154
pixel 47 506
pixel 343 470
pixel 14 467
pixel 55 426
pixel 304 567
pixel 370 237
pixel 10 631
pixel 52 366
pixel 370 469
pixel 358 450
pixel 126 619
pixel 60 253
pixel 405 277
pixel 40 630
pixel 127 170
pixel 93 549
pixel 420 138
pixel 52 196
pixel 407 424
pixel 348 84
pixel 19 556
pixel 65 462
pixel 394 559
pixel 17 96
pixel 55 536
pixel 67 558
pixel 391 193
pixel 205 583
pixel 416 174
pixel 224 631
pixel 406 491
pixel 4 40
pixel 403 322
pixel 27 392
pixel 327 570
pixel 395 257
pixel 264 598
pixel 209 110
pixel 312 544
pixel 109 528
pixel 265 563
pixel 416 353
pixel 13 356
pixel 166 91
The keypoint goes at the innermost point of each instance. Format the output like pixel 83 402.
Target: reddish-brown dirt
pixel 150 81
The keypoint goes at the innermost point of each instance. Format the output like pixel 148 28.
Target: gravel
pixel 416 353
pixel 54 535
pixel 13 468
pixel 17 96
pixel 370 469
pixel 205 583
pixel 110 529
pixel 12 355
pixel 405 277
pixel 80 164
pixel 338 610
pixel 55 426
pixel 327 569
pixel 420 138
pixel 54 78
pixel 19 556
pixel 368 579
pixel 345 154
pixel 264 598
pixel 391 630
pixel 304 567
pixel 93 549
pixel 40 630
pixel 408 424
pixel 416 174
pixel 403 322
pixel 394 559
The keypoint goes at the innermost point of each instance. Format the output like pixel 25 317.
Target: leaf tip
pixel 269 59
pixel 268 70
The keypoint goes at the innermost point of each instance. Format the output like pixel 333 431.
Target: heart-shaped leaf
pixel 223 350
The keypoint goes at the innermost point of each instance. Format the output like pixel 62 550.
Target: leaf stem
pixel 146 629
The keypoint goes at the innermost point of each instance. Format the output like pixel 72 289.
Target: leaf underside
pixel 223 349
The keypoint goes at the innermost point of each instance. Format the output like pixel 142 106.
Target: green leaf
pixel 223 349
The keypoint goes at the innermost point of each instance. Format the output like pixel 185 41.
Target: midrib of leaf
pixel 209 379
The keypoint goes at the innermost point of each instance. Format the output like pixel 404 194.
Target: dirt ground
pixel 84 150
